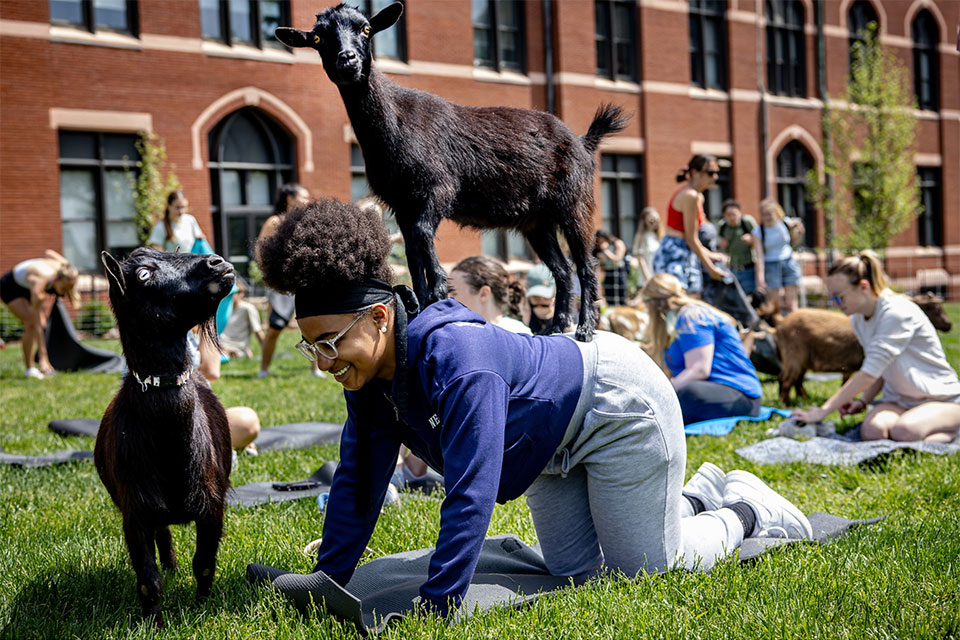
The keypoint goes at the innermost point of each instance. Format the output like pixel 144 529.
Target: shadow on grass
pixel 79 602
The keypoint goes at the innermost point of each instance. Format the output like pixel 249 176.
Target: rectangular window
pixel 708 44
pixel 615 33
pixel 392 43
pixel 247 22
pixel 96 15
pixel 621 194
pixel 498 34
pixel 786 54
pixel 96 198
pixel 930 221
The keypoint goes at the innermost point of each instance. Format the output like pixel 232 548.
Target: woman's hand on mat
pixel 809 416
pixel 854 406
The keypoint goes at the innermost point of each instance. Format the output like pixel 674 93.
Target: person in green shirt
pixel 738 240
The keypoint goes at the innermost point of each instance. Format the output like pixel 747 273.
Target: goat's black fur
pixel 163 453
pixel 482 167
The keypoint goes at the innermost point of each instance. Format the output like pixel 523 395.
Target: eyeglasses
pixel 838 300
pixel 326 348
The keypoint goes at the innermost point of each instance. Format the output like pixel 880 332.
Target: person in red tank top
pixel 681 252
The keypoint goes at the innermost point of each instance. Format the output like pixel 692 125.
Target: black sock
pixel 696 503
pixel 748 517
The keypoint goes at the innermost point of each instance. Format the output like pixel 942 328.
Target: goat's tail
pixel 608 119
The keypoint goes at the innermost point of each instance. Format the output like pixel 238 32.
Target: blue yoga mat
pixel 723 426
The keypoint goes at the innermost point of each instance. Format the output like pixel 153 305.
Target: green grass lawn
pixel 64 570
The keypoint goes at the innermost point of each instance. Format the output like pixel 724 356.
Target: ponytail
pixel 865 265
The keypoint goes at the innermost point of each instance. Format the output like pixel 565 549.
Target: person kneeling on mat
pixel 700 346
pixel 591 433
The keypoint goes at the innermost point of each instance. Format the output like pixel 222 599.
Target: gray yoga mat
pixel 255 493
pixel 297 435
pixel 60 457
pixel 838 450
pixel 509 573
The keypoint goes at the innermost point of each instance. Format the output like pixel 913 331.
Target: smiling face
pixel 364 352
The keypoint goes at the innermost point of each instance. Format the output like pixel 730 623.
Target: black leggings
pixel 702 400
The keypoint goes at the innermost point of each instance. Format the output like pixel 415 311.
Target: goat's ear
pixel 114 272
pixel 293 38
pixel 386 17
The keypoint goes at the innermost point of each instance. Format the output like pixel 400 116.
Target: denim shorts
pixel 782 273
pixel 747 278
pixel 676 258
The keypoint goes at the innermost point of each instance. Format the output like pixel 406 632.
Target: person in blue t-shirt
pixel 591 433
pixel 700 347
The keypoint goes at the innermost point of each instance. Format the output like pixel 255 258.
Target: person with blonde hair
pixel 902 356
pixel 700 347
pixel 781 270
pixel 25 289
pixel 647 241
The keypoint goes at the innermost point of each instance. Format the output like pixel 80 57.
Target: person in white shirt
pixel 178 229
pixel 902 356
pixel 483 285
pixel 244 322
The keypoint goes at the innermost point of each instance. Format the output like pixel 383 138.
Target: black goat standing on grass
pixel 482 167
pixel 163 448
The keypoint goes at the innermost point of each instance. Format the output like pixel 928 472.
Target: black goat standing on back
pixel 163 448
pixel 482 167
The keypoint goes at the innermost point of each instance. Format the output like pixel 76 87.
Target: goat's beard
pixel 209 335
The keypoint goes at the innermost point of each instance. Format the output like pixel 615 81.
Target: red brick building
pixel 240 114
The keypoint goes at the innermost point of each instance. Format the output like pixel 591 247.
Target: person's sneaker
pixel 33 372
pixel 777 517
pixel 707 485
pixel 262 374
pixel 251 450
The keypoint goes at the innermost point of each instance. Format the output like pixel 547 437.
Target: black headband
pixel 322 301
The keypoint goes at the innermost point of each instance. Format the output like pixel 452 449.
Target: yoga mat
pixel 838 450
pixel 255 493
pixel 59 457
pixel 509 573
pixel 723 426
pixel 297 435
pixel 68 353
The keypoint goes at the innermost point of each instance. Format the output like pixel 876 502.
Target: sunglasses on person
pixel 541 305
pixel 312 351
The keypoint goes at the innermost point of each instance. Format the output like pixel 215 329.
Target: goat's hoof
pixel 584 334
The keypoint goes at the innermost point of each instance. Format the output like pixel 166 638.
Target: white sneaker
pixel 707 485
pixel 777 517
pixel 33 372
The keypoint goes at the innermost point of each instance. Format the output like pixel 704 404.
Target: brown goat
pixel 932 306
pixel 815 340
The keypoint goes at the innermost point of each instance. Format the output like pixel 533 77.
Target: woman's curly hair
pixel 325 245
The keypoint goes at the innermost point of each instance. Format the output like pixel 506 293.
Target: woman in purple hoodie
pixel 591 433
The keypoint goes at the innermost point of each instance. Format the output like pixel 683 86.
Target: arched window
pixel 925 70
pixel 793 163
pixel 786 54
pixel 859 17
pixel 250 156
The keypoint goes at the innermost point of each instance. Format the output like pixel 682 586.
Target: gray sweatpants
pixel 611 494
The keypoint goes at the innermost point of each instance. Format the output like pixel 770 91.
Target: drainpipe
pixel 548 55
pixel 761 87
pixel 822 87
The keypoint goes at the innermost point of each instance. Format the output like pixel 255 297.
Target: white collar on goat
pixel 162 381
